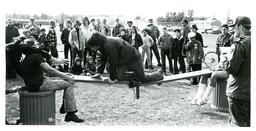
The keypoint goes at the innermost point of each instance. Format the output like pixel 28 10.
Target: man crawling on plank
pixel 121 57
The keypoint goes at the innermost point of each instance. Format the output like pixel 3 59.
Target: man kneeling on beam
pixel 121 57
pixel 32 68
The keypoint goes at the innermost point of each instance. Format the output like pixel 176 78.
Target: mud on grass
pixel 103 104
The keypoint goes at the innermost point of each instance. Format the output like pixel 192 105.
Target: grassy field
pixel 103 104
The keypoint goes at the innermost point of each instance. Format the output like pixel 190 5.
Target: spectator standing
pixel 116 30
pixel 129 28
pixel 223 40
pixel 165 44
pixel 147 43
pixel 198 35
pixel 194 54
pixel 64 39
pixel 177 52
pixel 92 25
pixel 33 24
pixel 135 38
pixel 11 32
pixel 105 28
pixel 238 89
pixel 52 39
pixel 77 41
pixel 154 33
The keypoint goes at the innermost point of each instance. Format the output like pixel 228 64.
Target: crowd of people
pixel 93 47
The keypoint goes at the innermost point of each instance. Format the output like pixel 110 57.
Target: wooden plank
pixel 181 76
pixel 166 78
pixel 95 80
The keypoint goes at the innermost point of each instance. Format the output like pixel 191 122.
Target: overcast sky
pixel 131 8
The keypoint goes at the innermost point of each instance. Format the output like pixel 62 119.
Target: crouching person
pixel 121 57
pixel 32 68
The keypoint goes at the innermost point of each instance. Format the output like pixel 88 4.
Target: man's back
pixel 32 72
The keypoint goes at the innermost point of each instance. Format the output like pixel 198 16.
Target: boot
pixel 71 116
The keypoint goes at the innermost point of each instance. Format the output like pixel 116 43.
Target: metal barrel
pixel 37 108
pixel 219 98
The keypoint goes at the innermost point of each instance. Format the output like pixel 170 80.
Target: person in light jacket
pixel 77 41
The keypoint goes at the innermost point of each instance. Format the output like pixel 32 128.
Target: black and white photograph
pixel 166 63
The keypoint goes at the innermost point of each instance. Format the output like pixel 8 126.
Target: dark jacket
pixel 10 32
pixel 64 36
pixel 138 41
pixel 90 68
pixel 199 38
pixel 116 52
pixel 76 69
pixel 154 32
pixel 43 43
pixel 125 37
pixel 116 29
pixel 223 41
pixel 240 69
pixel 177 47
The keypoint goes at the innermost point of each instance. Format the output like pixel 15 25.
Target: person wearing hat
pixel 129 28
pixel 239 69
pixel 223 40
pixel 116 29
pixel 77 41
pixel 154 33
pixel 194 54
pixel 198 35
pixel 176 53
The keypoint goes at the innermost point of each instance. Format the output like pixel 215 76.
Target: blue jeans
pixel 68 94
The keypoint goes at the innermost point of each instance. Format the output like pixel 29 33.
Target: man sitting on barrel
pixel 32 68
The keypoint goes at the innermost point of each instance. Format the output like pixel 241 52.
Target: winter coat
pixel 194 52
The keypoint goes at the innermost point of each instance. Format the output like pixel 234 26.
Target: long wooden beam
pixel 166 78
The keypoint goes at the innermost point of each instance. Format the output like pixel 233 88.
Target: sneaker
pixel 73 117
pixel 201 102
pixel 194 101
pixel 159 65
